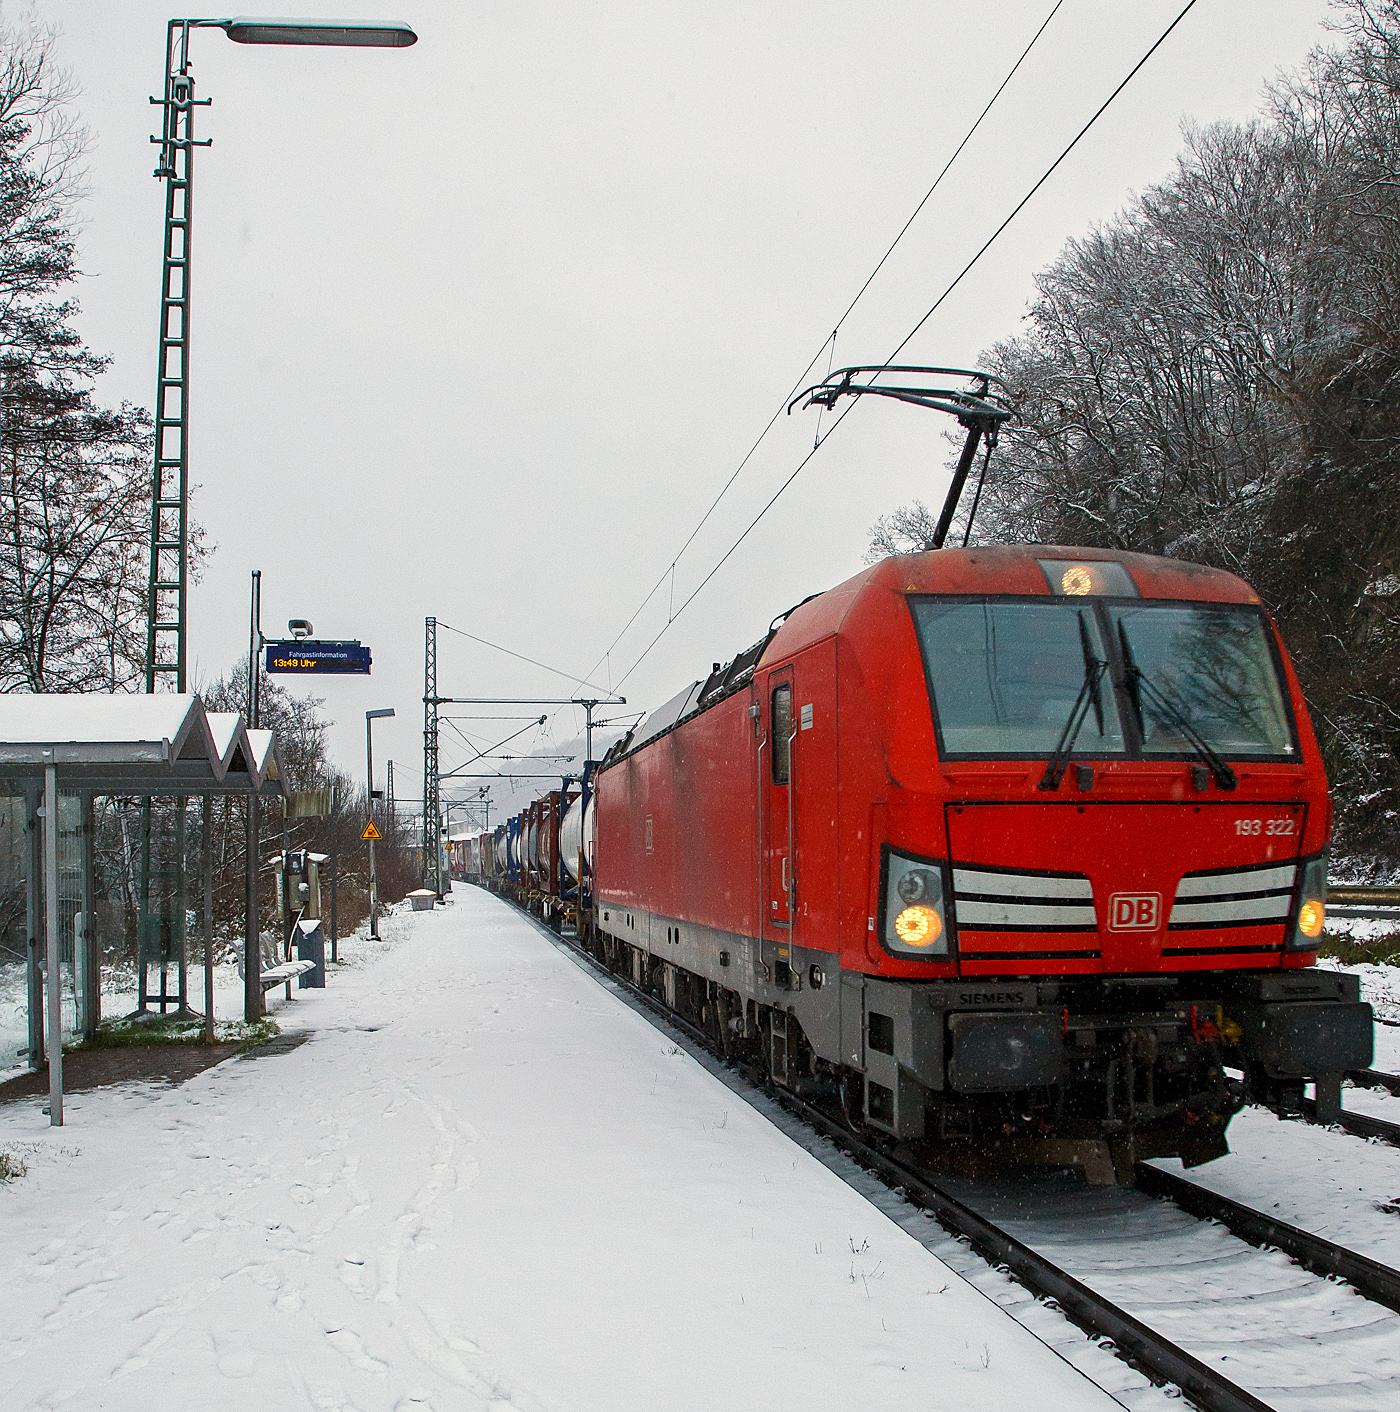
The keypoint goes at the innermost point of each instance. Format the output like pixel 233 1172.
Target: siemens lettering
pixel 307 656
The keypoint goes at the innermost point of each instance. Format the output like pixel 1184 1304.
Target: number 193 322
pixel 1271 827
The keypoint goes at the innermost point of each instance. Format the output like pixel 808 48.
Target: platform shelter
pixel 58 753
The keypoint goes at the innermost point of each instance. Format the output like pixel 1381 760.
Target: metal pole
pixel 335 877
pixel 169 540
pixel 588 730
pixel 208 860
pixel 55 980
pixel 90 988
pixel 252 948
pixel 430 758
pixel 286 886
pixel 254 646
pixel 180 911
pixel 975 431
pixel 34 906
pixel 369 810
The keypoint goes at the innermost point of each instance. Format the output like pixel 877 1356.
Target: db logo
pixel 1134 911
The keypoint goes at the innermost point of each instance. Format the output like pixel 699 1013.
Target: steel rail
pixel 1372 1078
pixel 1368 1277
pixel 1362 1124
pixel 1358 1124
pixel 1143 1346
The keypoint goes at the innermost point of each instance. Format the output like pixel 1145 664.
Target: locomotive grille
pixel 1234 897
pixel 1014 900
pixel 1231 898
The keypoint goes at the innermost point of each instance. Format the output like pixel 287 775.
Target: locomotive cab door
pixel 777 789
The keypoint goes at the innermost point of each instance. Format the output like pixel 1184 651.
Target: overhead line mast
pixel 167 584
pixel 431 869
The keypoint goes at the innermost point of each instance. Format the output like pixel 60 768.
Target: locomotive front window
pixel 1213 669
pixel 1006 675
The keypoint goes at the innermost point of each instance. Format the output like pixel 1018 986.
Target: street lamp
pixel 365 34
pixel 370 718
pixel 168 582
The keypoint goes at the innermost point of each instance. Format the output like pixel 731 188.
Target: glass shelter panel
pixel 73 955
pixel 23 918
pixel 14 933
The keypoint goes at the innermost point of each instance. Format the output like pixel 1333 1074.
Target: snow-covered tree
pixel 74 475
pixel 1214 374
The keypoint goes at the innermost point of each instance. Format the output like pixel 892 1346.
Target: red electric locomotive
pixel 1021 847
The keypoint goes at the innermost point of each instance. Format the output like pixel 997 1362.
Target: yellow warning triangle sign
pixel 371 831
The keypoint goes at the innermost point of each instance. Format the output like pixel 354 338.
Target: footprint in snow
pixel 347 1343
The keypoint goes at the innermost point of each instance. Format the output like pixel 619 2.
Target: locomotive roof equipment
pixel 979 410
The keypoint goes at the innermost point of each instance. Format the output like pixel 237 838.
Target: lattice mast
pixel 432 870
pixel 168 580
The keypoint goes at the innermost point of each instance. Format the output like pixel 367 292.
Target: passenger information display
pixel 308 656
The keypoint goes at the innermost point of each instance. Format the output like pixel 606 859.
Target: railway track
pixel 1364 1124
pixel 1160 1227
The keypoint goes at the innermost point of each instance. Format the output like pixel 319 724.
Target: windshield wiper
pixel 1139 685
pixel 1089 694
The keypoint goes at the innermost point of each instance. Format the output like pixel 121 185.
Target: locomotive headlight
pixel 1311 909
pixel 918 926
pixel 915 912
pixel 916 885
pixel 1077 580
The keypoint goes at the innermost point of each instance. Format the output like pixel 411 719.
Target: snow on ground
pixel 482 1182
pixel 354 952
pixel 118 987
pixel 1387 1052
pixel 1295 1340
pixel 1321 1179
pixel 1380 985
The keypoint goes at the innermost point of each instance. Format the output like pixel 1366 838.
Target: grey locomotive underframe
pixel 946 1058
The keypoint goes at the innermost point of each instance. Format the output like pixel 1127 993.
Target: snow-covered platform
pixel 483 1182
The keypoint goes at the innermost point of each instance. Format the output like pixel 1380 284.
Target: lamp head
pixel 300 628
pixel 375 715
pixel 362 34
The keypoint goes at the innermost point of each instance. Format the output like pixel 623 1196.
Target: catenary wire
pixel 1049 171
pixel 483 753
pixel 568 676
pixel 829 342
pixel 957 280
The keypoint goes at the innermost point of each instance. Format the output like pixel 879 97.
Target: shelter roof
pixel 130 744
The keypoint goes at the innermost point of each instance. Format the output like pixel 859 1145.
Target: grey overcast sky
pixel 481 327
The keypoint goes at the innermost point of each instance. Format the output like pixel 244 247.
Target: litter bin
pixel 311 946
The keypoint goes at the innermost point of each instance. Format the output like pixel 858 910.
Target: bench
pixel 285 973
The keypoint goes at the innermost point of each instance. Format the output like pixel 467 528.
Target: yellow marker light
pixel 1077 580
pixel 1310 918
pixel 918 926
